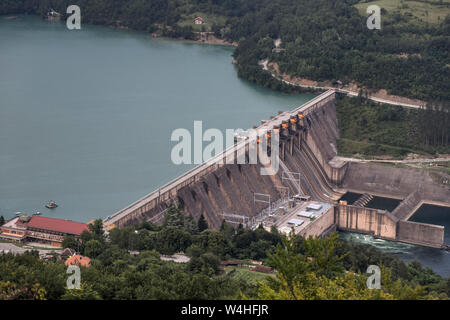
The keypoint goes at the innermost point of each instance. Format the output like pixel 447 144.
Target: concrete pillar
pixel 291 145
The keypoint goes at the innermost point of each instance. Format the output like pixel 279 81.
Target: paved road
pixel 9 247
pixel 440 159
pixel 264 65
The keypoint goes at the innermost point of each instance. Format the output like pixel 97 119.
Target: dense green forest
pixel 323 39
pixel 306 268
pixel 372 129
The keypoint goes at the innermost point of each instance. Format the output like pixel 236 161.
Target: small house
pixel 52 15
pixel 263 269
pixel 78 260
pixel 198 20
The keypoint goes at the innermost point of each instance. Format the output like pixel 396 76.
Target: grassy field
pixel 247 275
pixel 208 21
pixel 431 11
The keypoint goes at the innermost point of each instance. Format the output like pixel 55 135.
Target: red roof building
pixel 198 20
pixel 57 225
pixel 78 260
pixel 50 231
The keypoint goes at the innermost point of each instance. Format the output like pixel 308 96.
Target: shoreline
pixel 213 41
pixel 351 89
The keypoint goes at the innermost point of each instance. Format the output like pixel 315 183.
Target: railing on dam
pixel 169 191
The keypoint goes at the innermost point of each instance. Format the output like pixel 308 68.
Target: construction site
pixel 305 194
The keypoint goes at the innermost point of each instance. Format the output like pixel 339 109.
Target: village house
pixel 78 260
pixel 263 269
pixel 198 20
pixel 52 15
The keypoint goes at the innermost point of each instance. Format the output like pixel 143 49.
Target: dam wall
pixel 309 166
pixel 408 206
pixel 393 182
pixel 385 225
pixel 321 140
pixel 230 190
pixel 378 223
pixel 420 233
pixel 215 188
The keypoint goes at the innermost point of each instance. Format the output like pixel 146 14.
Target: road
pixel 440 159
pixel 9 247
pixel 265 63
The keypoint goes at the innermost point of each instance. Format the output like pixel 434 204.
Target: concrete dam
pixel 309 175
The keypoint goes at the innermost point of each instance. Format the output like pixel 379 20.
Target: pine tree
pixel 202 224
pixel 2 220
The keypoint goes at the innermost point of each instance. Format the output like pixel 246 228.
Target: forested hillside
pixel 304 267
pixel 372 129
pixel 323 39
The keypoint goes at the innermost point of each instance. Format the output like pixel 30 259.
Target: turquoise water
pixel 86 116
pixel 438 260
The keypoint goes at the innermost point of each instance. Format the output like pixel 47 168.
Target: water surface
pixel 86 115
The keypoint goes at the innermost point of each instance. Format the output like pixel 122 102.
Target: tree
pixel 96 228
pixel 175 218
pixel 13 291
pixel 202 224
pixel 324 260
pixel 2 220
pixel 320 275
pixel 227 230
pixel 93 248
pixel 171 240
pixel 86 292
pixel 290 264
pixel 207 263
pixel 71 242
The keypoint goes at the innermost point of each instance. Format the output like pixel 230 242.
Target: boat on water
pixel 51 205
pixel 37 213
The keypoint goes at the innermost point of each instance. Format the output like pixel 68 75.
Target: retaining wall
pixel 378 223
pixel 420 233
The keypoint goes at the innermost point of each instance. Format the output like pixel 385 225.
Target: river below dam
pixel 438 260
pixel 86 116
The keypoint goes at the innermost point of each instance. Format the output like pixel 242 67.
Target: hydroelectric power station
pixel 304 193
